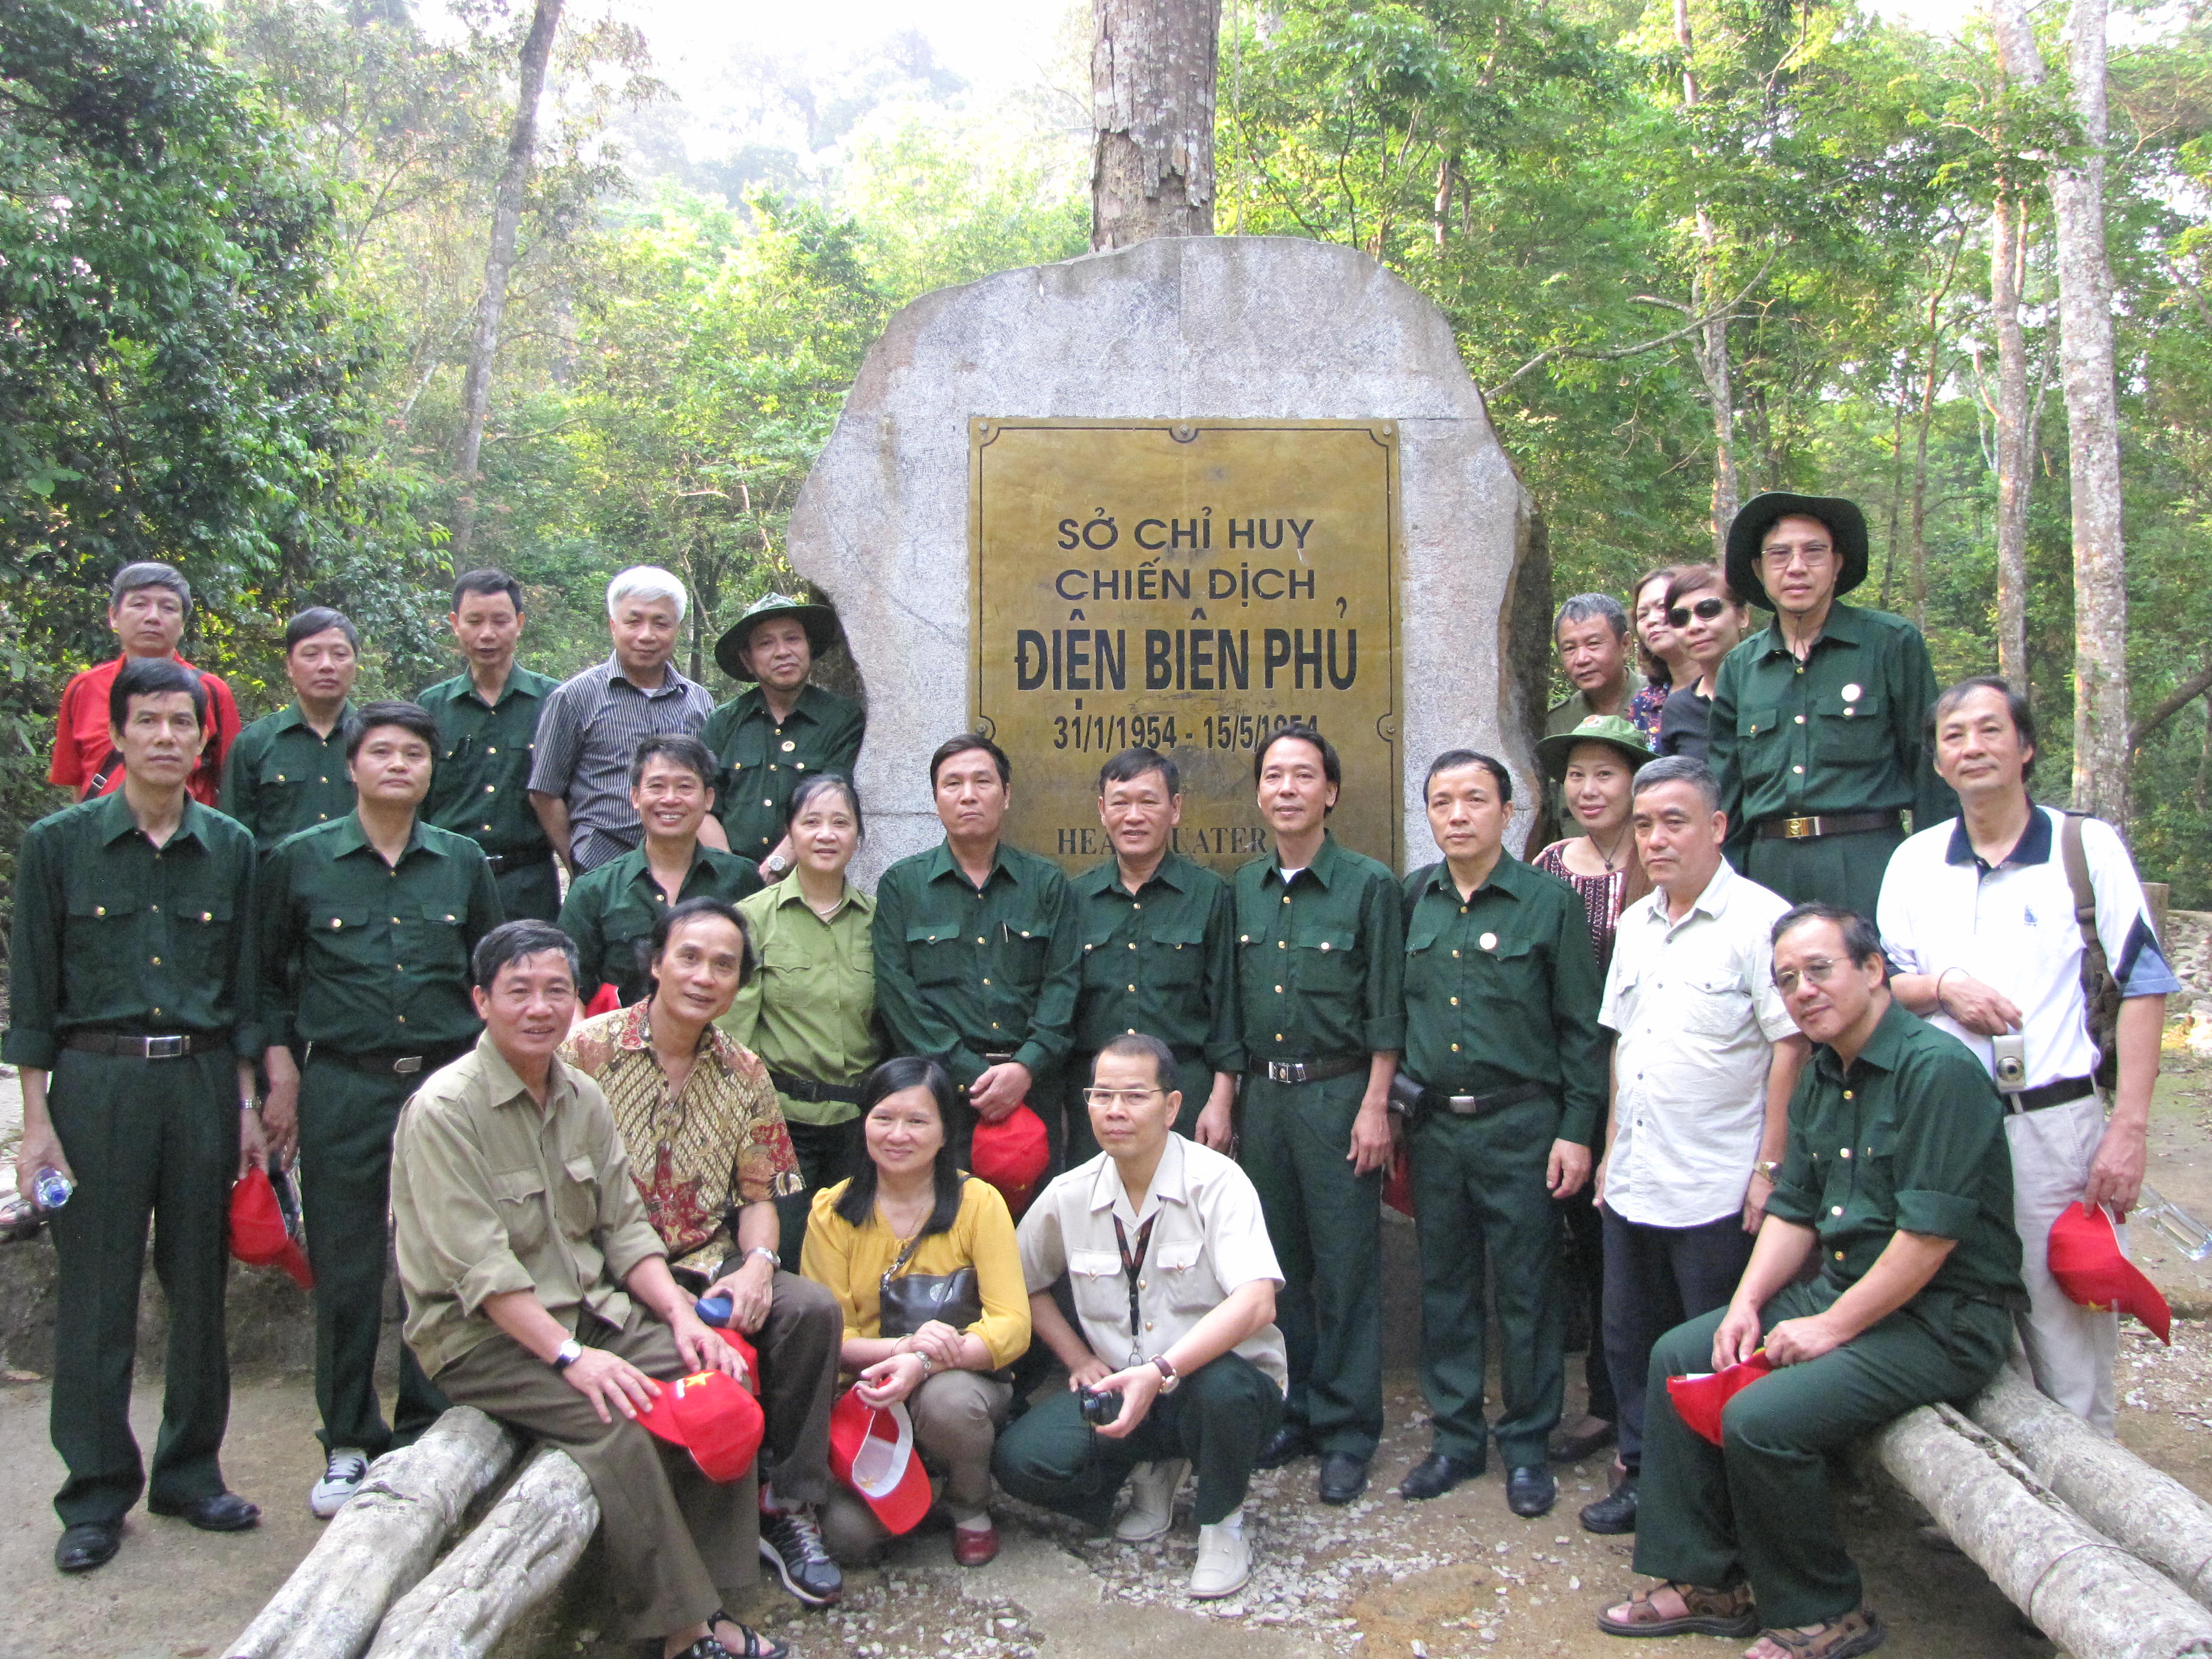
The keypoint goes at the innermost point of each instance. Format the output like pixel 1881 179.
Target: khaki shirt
pixel 809 1009
pixel 492 1194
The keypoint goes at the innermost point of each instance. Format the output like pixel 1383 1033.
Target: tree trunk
pixel 2007 269
pixel 1710 347
pixel 1927 385
pixel 505 224
pixel 1153 71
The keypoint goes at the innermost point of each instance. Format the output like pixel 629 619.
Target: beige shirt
pixel 491 1193
pixel 1208 1239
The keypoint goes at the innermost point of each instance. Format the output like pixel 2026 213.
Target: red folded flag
pixel 710 1415
pixel 257 1230
pixel 2085 1259
pixel 1699 1397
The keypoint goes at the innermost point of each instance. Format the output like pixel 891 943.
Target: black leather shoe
pixel 224 1512
pixel 88 1544
pixel 1613 1513
pixel 1343 1477
pixel 1436 1475
pixel 1290 1442
pixel 1573 1447
pixel 1530 1491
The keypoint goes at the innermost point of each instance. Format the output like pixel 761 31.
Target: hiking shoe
pixel 791 1544
pixel 342 1478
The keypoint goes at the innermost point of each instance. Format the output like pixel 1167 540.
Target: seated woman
pixel 908 1211
pixel 1709 622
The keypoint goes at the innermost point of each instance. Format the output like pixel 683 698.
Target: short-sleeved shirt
pixel 491 1193
pixel 809 1010
pixel 1910 1136
pixel 962 972
pixel 1502 988
pixel 1694 1004
pixel 113 933
pixel 587 734
pixel 83 746
pixel 282 776
pixel 1208 1238
pixel 2013 928
pixel 699 1158
pixel 611 912
pixel 763 760
pixel 1321 960
pixel 481 788
pixel 1162 961
pixel 368 957
pixel 851 1261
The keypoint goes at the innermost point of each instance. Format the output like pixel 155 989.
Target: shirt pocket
pixel 205 939
pixel 343 931
pixel 933 950
pixel 1094 1278
pixel 430 937
pixel 1023 943
pixel 519 1198
pixel 576 1202
pixel 1106 959
pixel 1175 958
pixel 626 945
pixel 1852 730
pixel 1714 1003
pixel 1876 1186
pixel 1325 960
pixel 1760 745
pixel 1187 1289
pixel 1510 975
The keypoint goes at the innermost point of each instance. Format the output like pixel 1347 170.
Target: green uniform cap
pixel 819 621
pixel 1551 752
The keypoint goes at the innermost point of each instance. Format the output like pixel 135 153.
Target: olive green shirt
pixel 481 788
pixel 1502 988
pixel 961 972
pixel 1555 822
pixel 610 912
pixel 1320 963
pixel 1841 732
pixel 114 933
pixel 280 777
pixel 1162 961
pixel 1910 1136
pixel 370 958
pixel 762 761
pixel 809 1008
pixel 491 1193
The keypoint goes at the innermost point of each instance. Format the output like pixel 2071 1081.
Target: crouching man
pixel 1897 1173
pixel 564 1330
pixel 1174 1284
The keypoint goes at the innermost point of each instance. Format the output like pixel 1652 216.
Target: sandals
pixel 755 1646
pixel 1860 1631
pixel 1708 1613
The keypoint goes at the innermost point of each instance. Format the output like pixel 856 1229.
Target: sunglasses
pixel 1704 610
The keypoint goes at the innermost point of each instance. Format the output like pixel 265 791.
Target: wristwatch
pixel 1769 1167
pixel 1171 1378
pixel 567 1354
pixel 774 1261
pixel 776 864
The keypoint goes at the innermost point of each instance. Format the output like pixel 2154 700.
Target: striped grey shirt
pixel 585 737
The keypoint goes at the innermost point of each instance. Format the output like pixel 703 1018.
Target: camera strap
pixel 1131 1267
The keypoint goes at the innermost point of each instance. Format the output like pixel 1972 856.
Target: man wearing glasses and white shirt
pixel 1978 918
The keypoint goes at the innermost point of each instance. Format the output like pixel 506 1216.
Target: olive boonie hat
pixel 1551 753
pixel 819 621
pixel 1758 515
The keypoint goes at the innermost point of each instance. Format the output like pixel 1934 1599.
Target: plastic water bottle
pixel 52 1188
pixel 713 1311
pixel 2183 1231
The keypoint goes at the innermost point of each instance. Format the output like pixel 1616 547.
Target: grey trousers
pixel 957 1418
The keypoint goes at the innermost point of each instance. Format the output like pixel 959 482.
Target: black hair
pixel 318 619
pixel 816 783
pixel 2023 717
pixel 679 747
pixel 486 582
pixel 1133 763
pixel 1331 768
pixel 961 745
pixel 1861 943
pixel 1143 1043
pixel 149 573
pixel 154 677
pixel 1452 759
pixel 857 1203
pixel 410 717
pixel 650 947
pixel 1699 579
pixel 511 941
pixel 1678 768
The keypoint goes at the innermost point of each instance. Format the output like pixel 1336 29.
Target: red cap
pixel 2085 1259
pixel 709 1414
pixel 1699 1397
pixel 872 1451
pixel 257 1230
pixel 1012 1155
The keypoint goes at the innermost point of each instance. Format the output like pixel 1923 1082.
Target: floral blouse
pixel 1644 710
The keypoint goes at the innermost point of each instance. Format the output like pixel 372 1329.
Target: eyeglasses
pixel 1704 611
pixel 1819 971
pixel 1131 1098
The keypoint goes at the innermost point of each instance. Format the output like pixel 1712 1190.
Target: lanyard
pixel 1131 1267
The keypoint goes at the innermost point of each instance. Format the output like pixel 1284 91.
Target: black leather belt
pixel 503 862
pixel 805 1088
pixel 1413 1100
pixel 135 1046
pixel 1783 828
pixel 387 1063
pixel 1315 1071
pixel 2063 1091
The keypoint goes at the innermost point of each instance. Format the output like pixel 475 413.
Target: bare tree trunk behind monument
pixel 2008 265
pixel 1709 346
pixel 505 224
pixel 1152 68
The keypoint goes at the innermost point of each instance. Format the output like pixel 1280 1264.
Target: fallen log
pixel 382 1541
pixel 2093 1597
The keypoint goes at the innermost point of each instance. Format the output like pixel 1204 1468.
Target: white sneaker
pixel 1225 1560
pixel 1152 1488
pixel 342 1478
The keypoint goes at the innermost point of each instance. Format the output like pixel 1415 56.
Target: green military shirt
pixel 1162 961
pixel 1911 1135
pixel 481 788
pixel 611 911
pixel 280 777
pixel 1320 963
pixel 961 972
pixel 1502 988
pixel 809 1009
pixel 762 761
pixel 114 933
pixel 368 957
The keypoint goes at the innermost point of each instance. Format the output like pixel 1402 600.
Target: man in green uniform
pixel 1321 960
pixel 366 924
pixel 767 740
pixel 133 1021
pixel 1159 953
pixel 486 727
pixel 611 911
pixel 1817 722
pixel 976 947
pixel 1502 994
pixel 288 770
pixel 1897 1181
pixel 1591 631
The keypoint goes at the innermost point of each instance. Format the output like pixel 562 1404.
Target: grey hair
pixel 149 573
pixel 646 581
pixel 1583 606
pixel 1679 769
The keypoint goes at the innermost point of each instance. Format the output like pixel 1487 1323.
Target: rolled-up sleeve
pixel 451 1242
pixel 1795 1197
pixel 1942 1143
pixel 999 1278
pixel 1383 1001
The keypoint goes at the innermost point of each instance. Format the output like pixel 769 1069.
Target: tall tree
pixel 1710 348
pixel 1153 66
pixel 2016 445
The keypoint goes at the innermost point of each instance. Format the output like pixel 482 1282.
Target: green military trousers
pixel 1846 870
pixel 1482 1211
pixel 1757 1505
pixel 1193 1075
pixel 346 1121
pixel 145 1139
pixel 825 1152
pixel 1326 1224
pixel 531 892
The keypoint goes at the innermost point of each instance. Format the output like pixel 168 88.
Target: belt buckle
pixel 1799 829
pixel 407 1065
pixel 1462 1105
pixel 164 1047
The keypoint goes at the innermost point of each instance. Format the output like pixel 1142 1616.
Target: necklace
pixel 1609 857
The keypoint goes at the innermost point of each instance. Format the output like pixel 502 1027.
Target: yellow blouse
pixel 851 1261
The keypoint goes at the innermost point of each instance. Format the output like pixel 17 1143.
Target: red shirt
pixel 81 744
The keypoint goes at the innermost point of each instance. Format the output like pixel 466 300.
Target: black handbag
pixel 906 1302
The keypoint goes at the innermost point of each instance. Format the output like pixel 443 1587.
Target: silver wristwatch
pixel 776 864
pixel 567 1354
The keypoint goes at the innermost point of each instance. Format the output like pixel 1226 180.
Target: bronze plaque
pixel 1194 585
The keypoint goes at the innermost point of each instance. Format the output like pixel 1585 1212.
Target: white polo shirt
pixel 1698 1015
pixel 2011 926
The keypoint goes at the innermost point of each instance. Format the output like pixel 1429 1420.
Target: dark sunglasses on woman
pixel 1706 609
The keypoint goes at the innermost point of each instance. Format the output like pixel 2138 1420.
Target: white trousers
pixel 2069 1348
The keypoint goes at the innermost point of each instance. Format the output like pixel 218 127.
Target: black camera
pixel 1099 1407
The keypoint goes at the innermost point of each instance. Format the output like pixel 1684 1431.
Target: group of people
pixel 1729 1066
